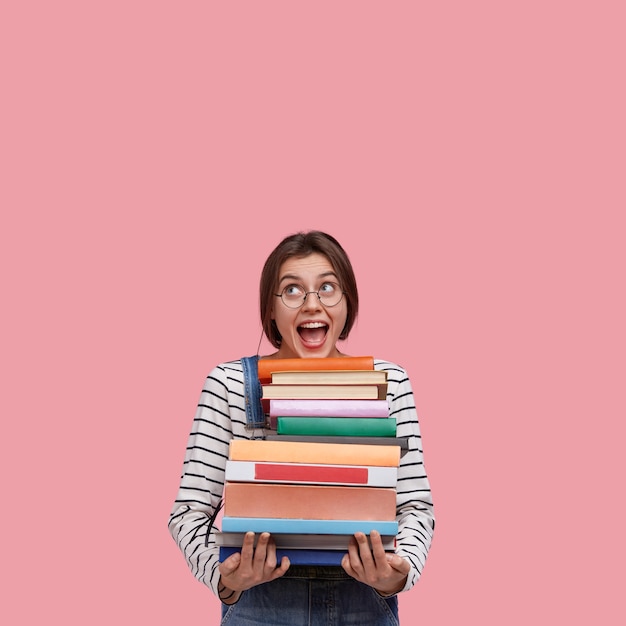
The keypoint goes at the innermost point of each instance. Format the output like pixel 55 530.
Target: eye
pixel 327 288
pixel 293 291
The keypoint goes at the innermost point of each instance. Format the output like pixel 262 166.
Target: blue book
pixel 296 557
pixel 313 526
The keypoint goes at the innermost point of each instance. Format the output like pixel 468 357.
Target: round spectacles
pixel 294 296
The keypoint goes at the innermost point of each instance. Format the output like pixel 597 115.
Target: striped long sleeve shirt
pixel 220 417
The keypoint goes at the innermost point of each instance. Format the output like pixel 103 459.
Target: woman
pixel 309 302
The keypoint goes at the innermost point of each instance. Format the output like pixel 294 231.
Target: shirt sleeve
pixel 202 481
pixel 414 506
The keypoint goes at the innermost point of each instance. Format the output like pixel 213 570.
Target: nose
pixel 311 301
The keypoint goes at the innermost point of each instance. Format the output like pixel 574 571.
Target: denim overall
pixel 304 596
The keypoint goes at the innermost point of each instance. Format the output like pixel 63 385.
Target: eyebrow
pixel 298 278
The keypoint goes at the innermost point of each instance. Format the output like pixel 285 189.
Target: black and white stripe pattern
pixel 221 416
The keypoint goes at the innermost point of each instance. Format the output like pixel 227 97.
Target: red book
pixel 371 476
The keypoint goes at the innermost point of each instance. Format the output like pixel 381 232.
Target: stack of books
pixel 328 468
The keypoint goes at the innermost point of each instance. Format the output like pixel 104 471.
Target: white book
pixel 310 473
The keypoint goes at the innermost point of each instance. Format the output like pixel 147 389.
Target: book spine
pixel 312 526
pixel 328 408
pixel 317 453
pixel 305 473
pixel 339 426
pixel 322 502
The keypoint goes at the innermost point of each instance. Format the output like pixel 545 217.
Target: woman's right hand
pixel 250 567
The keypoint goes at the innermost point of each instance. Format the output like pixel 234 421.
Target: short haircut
pixel 301 245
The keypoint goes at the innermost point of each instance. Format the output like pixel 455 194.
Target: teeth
pixel 313 325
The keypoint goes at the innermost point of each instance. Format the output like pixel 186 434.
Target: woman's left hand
pixel 387 573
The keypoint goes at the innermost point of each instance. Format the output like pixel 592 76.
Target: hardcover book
pixel 401 442
pixel 297 557
pixel 330 377
pixel 325 391
pixel 250 471
pixel 320 502
pixel 328 408
pixel 315 526
pixel 267 366
pixel 282 451
pixel 339 426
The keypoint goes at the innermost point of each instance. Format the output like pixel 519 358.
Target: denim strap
pixel 255 417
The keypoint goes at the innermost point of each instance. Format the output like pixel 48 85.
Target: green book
pixel 337 426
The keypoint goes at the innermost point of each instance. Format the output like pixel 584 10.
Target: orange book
pixel 267 366
pixel 305 452
pixel 309 502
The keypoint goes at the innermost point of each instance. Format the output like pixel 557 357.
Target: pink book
pixel 328 408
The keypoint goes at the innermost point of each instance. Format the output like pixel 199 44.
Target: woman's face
pixel 313 329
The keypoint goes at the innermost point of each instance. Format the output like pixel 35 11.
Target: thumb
pixel 398 563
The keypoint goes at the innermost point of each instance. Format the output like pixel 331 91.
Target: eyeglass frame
pixel 306 295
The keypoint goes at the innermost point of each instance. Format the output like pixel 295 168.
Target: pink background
pixel 470 156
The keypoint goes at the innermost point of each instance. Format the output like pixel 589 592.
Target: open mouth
pixel 313 332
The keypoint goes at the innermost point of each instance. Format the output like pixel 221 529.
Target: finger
pixel 365 551
pixel 247 548
pixel 354 552
pixel 352 560
pixel 282 569
pixel 229 565
pixel 265 559
pixel 378 550
pixel 260 553
pixel 270 553
pixel 345 563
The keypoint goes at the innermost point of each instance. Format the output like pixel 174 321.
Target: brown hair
pixel 301 245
